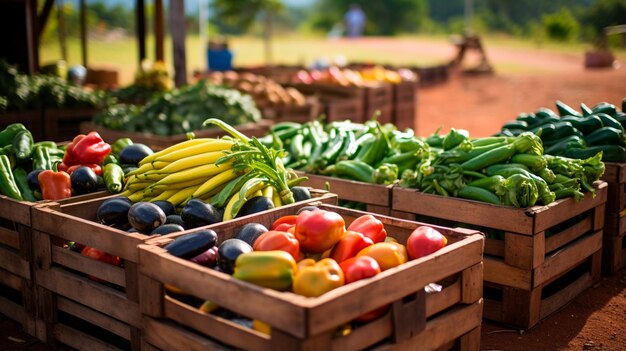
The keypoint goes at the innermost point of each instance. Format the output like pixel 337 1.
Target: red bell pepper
pixel 284 223
pixel 86 149
pixel 55 185
pixel 276 240
pixel 102 257
pixel 361 267
pixel 349 245
pixel 319 230
pixel 97 169
pixel 369 226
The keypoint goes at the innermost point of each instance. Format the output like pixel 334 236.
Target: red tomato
pixel 275 240
pixel 360 267
pixel 424 241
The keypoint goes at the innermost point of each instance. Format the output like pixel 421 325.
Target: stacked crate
pixel 614 244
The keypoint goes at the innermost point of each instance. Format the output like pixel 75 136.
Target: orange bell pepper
pixel 316 278
pixel 317 231
pixel 387 254
pixel 276 240
pixel 55 185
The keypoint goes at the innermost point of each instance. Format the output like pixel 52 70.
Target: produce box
pixel 337 109
pixel 404 105
pixel 17 289
pixel 418 320
pixel 294 113
pixel 74 309
pixel 159 142
pixel 614 244
pixel 30 119
pixel 536 259
pixel 64 124
pixel 379 98
pixel 376 197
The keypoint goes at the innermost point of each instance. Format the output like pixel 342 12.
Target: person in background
pixel 355 21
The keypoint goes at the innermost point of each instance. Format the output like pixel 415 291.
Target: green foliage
pixel 240 15
pixel 604 13
pixel 561 26
pixel 383 17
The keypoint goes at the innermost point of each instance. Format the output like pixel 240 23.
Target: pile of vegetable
pixel 309 253
pixel 46 171
pixel 181 111
pixel 576 134
pixel 265 91
pixel 354 77
pixel 150 79
pixel 23 92
pixel 367 152
pixel 501 170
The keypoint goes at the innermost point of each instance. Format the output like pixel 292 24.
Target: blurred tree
pixel 561 25
pixel 604 13
pixel 383 17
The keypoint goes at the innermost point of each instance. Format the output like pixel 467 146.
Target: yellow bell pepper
pixel 270 269
pixel 387 254
pixel 316 278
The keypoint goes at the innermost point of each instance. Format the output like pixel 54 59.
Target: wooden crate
pixel 379 97
pixel 404 105
pixel 75 310
pixel 338 109
pixel 376 197
pixel 64 124
pixel 527 251
pixel 614 254
pixel 32 120
pixel 17 289
pixel 159 142
pixel 300 114
pixel 417 320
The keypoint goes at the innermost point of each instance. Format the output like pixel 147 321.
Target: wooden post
pixel 141 28
pixel 177 29
pixel 83 32
pixel 45 13
pixel 62 32
pixel 159 30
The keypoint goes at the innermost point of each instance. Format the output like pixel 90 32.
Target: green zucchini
pixel 479 194
pixel 563 129
pixel 547 130
pixel 529 118
pixel 565 110
pixel 545 112
pixel 585 124
pixel 610 153
pixel 570 142
pixel 585 109
pixel 609 121
pixel 604 107
pixel 621 118
pixel 515 125
pixel 605 136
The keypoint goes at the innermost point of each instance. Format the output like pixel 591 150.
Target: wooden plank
pixel 13 263
pixel 523 251
pixel 16 211
pixel 11 280
pixel 93 317
pixel 364 336
pixel 150 296
pixel 80 340
pixel 565 295
pixel 613 254
pixel 140 19
pixel 9 238
pixel 383 210
pixel 166 337
pixel 374 194
pixel 568 257
pixel 92 294
pixel 496 271
pixel 83 264
pixel 12 310
pixel 159 31
pixel 177 31
pixel 494 247
pixel 439 301
pixel 568 235
pixel 470 341
pixel 409 318
pixel 472 279
pixel 466 211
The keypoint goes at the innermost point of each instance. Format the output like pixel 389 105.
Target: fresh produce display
pixel 353 77
pixel 367 152
pixel 181 111
pixel 43 170
pixel 299 253
pixel 150 79
pixel 575 134
pixel 213 179
pixel 264 91
pixel 501 170
pixel 23 92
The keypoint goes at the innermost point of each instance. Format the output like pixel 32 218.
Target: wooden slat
pixel 494 247
pixel 566 258
pixel 465 211
pixel 16 211
pixel 565 295
pixel 11 280
pixel 496 271
pixel 568 235
pixel 220 328
pixel 9 238
pixel 78 262
pixel 12 310
pixel 13 263
pixel 80 340
pixel 366 335
pixel 613 254
pixel 472 279
pixel 92 294
pixel 449 296
pixel 374 194
pixel 94 317
pixel 523 251
pixel 168 337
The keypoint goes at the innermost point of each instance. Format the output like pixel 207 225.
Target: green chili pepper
pixel 8 186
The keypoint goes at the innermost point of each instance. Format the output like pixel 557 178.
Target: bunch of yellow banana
pixel 188 170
